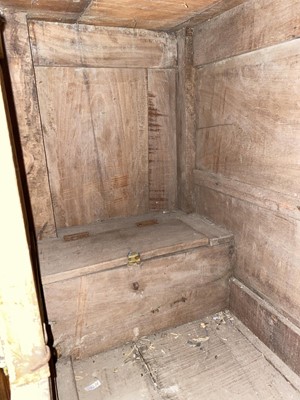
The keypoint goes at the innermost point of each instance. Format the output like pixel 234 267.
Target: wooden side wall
pixel 102 104
pixel 21 70
pixel 247 173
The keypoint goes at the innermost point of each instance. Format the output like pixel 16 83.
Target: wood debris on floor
pixel 209 359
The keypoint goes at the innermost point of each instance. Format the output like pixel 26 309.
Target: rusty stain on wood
pixel 76 236
pixel 147 222
pixel 162 139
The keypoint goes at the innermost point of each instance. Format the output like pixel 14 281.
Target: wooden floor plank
pixel 120 373
pixel 208 359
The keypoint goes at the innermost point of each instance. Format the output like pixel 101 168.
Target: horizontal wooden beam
pixel 262 197
pixel 94 46
pixel 272 328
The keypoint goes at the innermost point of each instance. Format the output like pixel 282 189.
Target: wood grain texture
pixel 97 159
pixel 108 244
pixel 27 110
pixel 121 377
pixel 93 46
pixel 215 234
pixel 53 6
pixel 162 139
pixel 271 200
pixel 63 309
pixel 267 247
pixel 4 386
pixel 162 15
pixel 106 309
pixel 166 366
pixel 248 118
pixel 185 120
pixel 70 146
pixel 210 12
pixel 276 331
pixel 118 104
pixel 226 366
pixel 244 29
pixel 66 385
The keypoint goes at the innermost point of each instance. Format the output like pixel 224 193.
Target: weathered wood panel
pixel 185 120
pixel 63 306
pixel 52 6
pixel 25 99
pixel 269 199
pixel 267 247
pixel 177 370
pixel 163 14
pixel 225 365
pixel 92 46
pixel 95 127
pixel 121 376
pixel 118 104
pixel 70 146
pixel 272 328
pixel 248 118
pixel 210 12
pixel 115 306
pixel 252 25
pixel 162 139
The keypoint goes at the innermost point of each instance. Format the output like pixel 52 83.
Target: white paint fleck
pixel 170 390
pixel 136 332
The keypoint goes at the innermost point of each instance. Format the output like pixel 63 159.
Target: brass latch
pixel 133 258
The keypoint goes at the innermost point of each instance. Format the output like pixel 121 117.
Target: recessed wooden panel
pixel 93 46
pixel 95 130
pixel 70 146
pixel 251 26
pixel 248 118
pixel 118 106
pixel 162 139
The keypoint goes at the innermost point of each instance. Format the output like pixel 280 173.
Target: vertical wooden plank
pixel 27 110
pixel 70 146
pixel 162 139
pixel 4 386
pixel 118 101
pixel 185 116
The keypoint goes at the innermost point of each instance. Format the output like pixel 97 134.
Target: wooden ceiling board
pixel 46 6
pixel 145 14
pixel 216 9
pixel 163 15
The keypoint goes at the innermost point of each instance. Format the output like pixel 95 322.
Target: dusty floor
pixel 210 359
